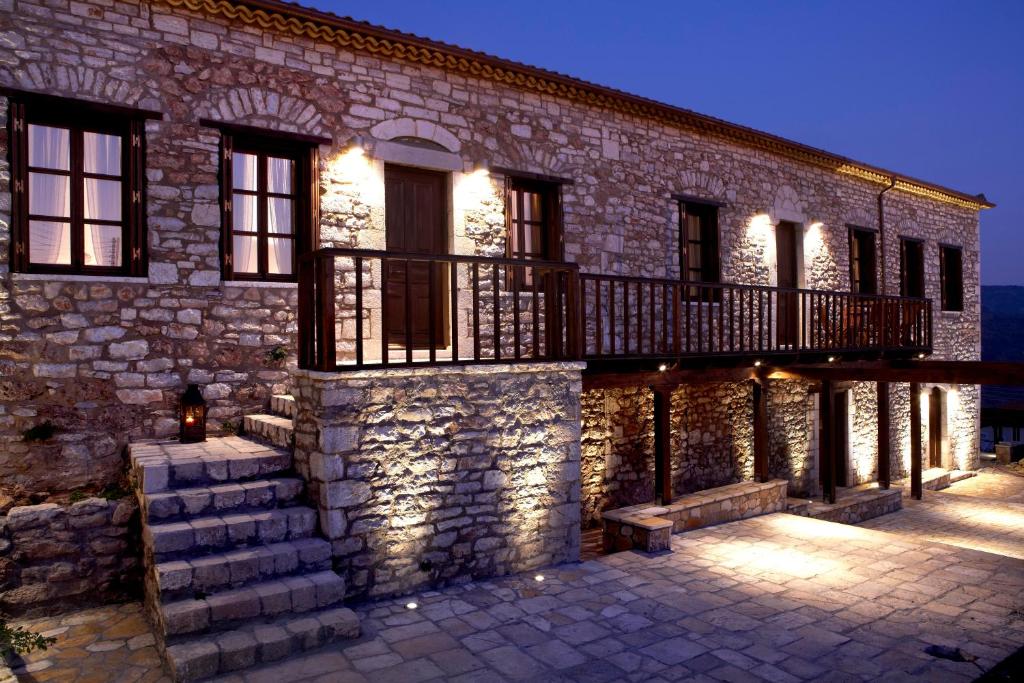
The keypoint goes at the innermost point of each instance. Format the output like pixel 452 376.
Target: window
pixel 77 187
pixel 533 213
pixel 534 220
pixel 951 277
pixel 269 207
pixel 698 242
pixel 911 267
pixel 863 279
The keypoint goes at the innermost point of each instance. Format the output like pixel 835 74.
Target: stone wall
pixel 104 359
pixel 430 476
pixel 617 450
pixel 55 556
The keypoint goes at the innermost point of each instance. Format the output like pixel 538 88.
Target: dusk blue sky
pixel 931 89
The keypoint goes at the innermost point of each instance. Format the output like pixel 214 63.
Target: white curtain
pixel 49 147
pixel 102 153
pixel 49 195
pixel 102 243
pixel 244 248
pixel 243 171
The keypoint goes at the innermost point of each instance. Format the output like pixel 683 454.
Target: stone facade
pixel 431 476
pixel 104 359
pixel 53 556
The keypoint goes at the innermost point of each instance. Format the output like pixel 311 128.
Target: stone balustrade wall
pixel 427 476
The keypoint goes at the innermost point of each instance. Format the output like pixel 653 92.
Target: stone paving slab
pixel 113 643
pixel 776 598
pixel 985 512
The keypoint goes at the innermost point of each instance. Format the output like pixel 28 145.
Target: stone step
pixel 798 506
pixel 180 579
pixel 273 598
pixel 203 535
pixel 221 498
pixel 165 465
pixel 960 475
pixel 283 405
pixel 273 428
pixel 251 644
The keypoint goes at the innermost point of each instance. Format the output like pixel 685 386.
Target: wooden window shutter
pixel 226 216
pixel 713 258
pixel 312 210
pixel 557 226
pixel 18 141
pixel 138 259
pixel 509 198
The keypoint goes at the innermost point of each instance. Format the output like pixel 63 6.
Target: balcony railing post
pixel 326 358
pixel 306 333
pixel 574 328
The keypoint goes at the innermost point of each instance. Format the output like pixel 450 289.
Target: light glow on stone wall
pixel 473 188
pixel 761 235
pixel 814 242
pixel 354 167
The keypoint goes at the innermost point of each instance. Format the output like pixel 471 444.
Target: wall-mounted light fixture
pixel 482 168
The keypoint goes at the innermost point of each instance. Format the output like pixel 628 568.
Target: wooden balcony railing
pixel 627 317
pixel 371 309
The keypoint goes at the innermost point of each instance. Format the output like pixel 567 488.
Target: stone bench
pixel 853 505
pixel 648 527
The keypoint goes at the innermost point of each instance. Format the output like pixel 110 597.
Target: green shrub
pixel 18 640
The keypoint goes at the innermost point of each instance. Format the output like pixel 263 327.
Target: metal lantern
pixel 193 416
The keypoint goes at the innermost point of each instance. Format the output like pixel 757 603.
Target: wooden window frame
pixel 552 238
pixel 304 152
pixel 79 117
pixel 954 304
pixel 904 274
pixel 709 244
pixel 857 260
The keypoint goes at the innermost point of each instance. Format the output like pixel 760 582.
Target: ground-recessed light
pixel 831 359
pixel 539 577
pixel 411 605
pixel 757 363
pixel 662 368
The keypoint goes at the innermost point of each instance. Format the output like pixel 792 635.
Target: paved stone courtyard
pixel 985 512
pixel 778 598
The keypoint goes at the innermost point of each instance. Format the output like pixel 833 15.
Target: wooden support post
pixel 758 389
pixel 662 445
pixel 915 441
pixel 826 446
pixel 883 436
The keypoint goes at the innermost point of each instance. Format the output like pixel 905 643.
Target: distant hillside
pixel 1002 323
pixel 1002 338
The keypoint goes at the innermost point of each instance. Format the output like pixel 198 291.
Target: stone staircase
pixel 236 574
pixel 275 427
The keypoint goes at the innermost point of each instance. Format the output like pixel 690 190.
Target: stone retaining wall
pixel 55 556
pixel 428 476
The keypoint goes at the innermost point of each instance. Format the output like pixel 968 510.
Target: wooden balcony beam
pixel 921 371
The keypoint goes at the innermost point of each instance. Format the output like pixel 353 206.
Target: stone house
pixel 168 167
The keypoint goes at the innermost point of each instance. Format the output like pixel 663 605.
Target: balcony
pixel 361 309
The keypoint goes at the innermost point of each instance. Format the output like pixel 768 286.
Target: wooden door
pixel 935 427
pixel 416 221
pixel 788 324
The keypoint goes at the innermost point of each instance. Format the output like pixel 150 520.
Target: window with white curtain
pixel 265 191
pixel 77 188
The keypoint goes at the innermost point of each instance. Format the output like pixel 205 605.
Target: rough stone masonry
pixel 431 476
